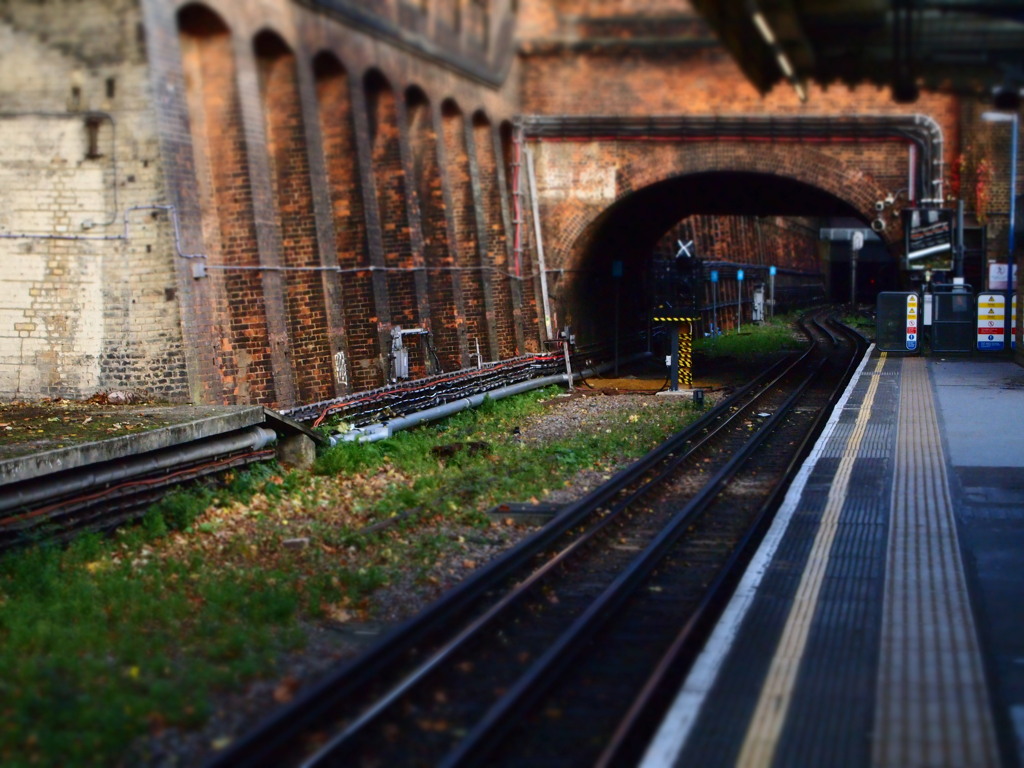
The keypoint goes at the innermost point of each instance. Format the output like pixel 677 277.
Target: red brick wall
pixel 495 242
pixel 657 57
pixel 396 204
pixel 443 281
pixel 335 173
pixel 464 221
pixel 346 194
pixel 524 264
pixel 392 206
pixel 579 181
pixel 681 70
pixel 306 313
pixel 981 171
pixel 764 240
pixel 755 240
pixel 243 349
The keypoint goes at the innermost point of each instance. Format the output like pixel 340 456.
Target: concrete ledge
pixel 281 423
pixel 679 392
pixel 195 422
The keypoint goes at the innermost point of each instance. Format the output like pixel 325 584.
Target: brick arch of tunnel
pixel 648 203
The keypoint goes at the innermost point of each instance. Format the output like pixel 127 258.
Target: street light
pixel 1008 117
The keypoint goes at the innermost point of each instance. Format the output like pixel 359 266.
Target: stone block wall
pixel 90 299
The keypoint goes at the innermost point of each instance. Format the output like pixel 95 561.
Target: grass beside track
pixel 112 638
pixel 752 341
pixel 861 322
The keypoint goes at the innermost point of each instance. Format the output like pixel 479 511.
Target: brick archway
pixel 606 201
pixel 585 187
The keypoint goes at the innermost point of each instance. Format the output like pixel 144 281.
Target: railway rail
pixel 570 643
pixel 103 495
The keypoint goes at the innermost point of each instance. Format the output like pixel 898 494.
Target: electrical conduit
pixel 374 432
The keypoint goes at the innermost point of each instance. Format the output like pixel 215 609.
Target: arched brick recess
pixel 334 104
pixel 463 213
pixel 225 193
pixel 443 281
pixel 392 206
pixel 449 16
pixel 495 243
pixel 305 309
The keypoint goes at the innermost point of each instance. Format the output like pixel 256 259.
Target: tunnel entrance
pixel 733 222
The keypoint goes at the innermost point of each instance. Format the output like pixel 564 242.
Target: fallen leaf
pixel 433 726
pixel 285 691
pixel 337 613
pixel 157 723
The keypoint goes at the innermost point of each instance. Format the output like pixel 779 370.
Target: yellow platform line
pixel 762 737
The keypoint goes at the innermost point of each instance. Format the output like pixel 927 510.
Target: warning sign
pixel 912 316
pixel 1013 320
pixel 991 322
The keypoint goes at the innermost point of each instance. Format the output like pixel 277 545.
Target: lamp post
pixel 1009 117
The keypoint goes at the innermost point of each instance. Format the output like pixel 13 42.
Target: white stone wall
pixel 88 302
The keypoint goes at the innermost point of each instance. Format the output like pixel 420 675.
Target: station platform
pixel 881 622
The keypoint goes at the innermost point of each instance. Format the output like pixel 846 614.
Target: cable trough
pixel 566 644
pixel 100 486
pixel 104 494
pixel 366 415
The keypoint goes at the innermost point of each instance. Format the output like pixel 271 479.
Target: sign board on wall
pixel 913 314
pixel 928 238
pixel 997 276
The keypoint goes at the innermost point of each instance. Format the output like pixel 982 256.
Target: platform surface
pixel 882 621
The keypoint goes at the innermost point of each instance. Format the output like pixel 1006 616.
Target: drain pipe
pixel 542 267
pixel 32 493
pixel 374 432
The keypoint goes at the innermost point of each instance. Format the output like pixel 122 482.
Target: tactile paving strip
pixel 932 708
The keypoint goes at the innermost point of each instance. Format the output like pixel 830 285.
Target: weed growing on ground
pixel 111 638
pixel 753 340
pixel 863 323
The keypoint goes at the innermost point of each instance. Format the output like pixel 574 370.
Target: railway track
pixel 103 495
pixel 568 645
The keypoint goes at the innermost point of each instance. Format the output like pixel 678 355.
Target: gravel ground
pixel 334 642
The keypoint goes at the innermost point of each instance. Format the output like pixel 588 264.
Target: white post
pixel 541 264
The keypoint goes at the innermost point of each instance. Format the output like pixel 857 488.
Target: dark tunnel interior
pixel 629 230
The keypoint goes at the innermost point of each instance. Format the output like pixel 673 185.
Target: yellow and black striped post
pixel 681 375
pixel 684 341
